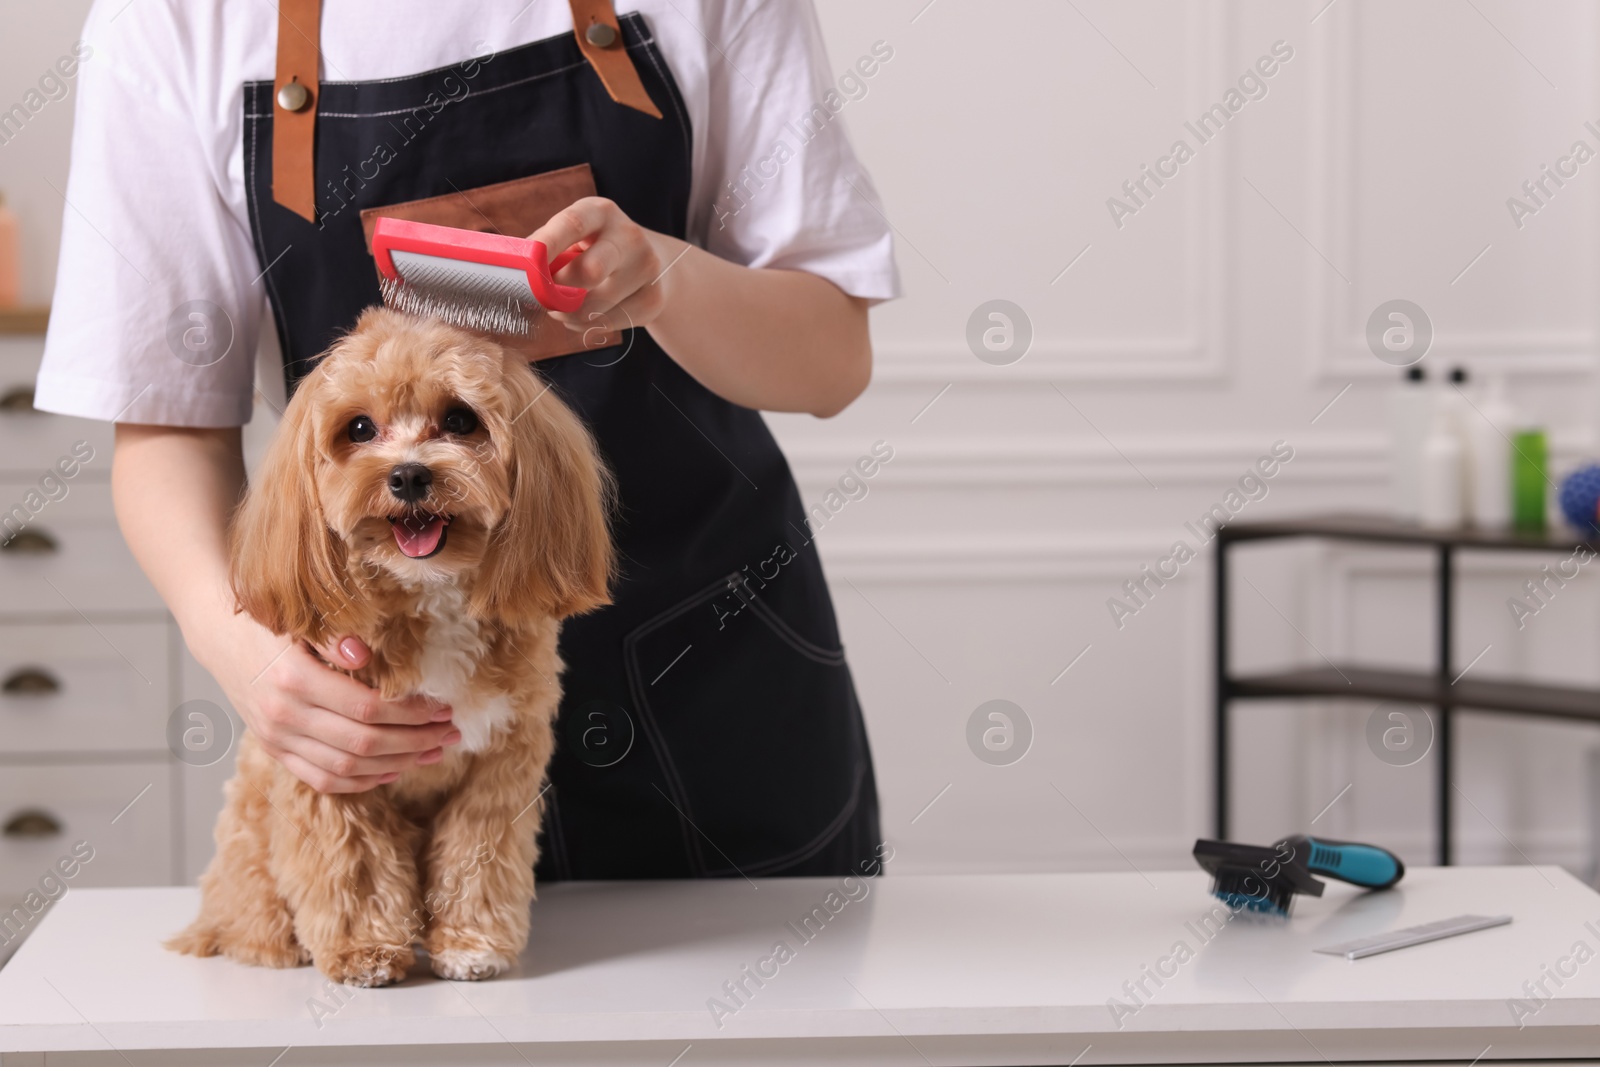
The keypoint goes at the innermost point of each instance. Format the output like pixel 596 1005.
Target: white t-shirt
pixel 156 215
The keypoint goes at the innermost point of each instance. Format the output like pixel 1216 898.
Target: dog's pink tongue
pixel 418 536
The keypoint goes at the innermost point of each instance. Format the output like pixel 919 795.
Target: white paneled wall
pixel 1221 317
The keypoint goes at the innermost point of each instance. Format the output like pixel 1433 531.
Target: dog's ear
pixel 286 566
pixel 551 556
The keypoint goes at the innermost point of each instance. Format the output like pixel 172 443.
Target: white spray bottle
pixel 1490 433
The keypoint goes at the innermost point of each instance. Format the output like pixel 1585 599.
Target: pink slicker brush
pixel 481 281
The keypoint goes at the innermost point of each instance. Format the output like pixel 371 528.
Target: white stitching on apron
pixel 258 235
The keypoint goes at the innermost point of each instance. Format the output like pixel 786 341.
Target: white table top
pixel 936 969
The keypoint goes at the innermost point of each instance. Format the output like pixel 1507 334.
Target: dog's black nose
pixel 409 482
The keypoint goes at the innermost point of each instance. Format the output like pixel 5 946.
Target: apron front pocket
pixel 756 725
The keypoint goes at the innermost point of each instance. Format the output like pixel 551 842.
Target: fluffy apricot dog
pixel 427 493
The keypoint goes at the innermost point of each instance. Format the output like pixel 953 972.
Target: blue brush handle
pixel 1348 861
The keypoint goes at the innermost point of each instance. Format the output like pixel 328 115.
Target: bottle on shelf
pixel 1530 472
pixel 10 268
pixel 1458 416
pixel 1411 405
pixel 1490 437
pixel 1442 473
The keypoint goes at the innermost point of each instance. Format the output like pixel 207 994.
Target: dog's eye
pixel 460 421
pixel 362 428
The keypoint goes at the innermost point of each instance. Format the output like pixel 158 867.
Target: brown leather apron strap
pixel 594 22
pixel 294 107
pixel 294 89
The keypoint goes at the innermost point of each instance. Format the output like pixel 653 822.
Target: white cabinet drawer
pixel 72 687
pixel 45 810
pixel 69 558
pixel 31 442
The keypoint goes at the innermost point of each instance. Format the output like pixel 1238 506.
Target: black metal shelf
pixel 1417 687
pixel 1438 687
pixel 1346 526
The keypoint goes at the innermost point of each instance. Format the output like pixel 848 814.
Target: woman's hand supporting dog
pixel 174 490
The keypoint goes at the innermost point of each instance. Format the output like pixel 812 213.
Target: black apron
pixel 717 674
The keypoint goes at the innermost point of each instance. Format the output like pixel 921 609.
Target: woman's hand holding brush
pixel 775 340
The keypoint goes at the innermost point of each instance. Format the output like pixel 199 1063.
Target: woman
pixel 223 163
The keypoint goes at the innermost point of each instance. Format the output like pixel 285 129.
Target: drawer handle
pixel 29 543
pixel 17 400
pixel 30 682
pixel 32 823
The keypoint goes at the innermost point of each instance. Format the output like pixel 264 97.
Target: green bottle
pixel 1529 475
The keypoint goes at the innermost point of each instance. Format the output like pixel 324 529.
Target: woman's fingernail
pixel 431 756
pixel 451 738
pixel 391 776
pixel 350 649
pixel 443 714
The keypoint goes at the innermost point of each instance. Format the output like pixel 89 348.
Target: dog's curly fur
pixel 444 855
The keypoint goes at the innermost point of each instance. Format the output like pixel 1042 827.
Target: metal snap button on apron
pixel 294 97
pixel 600 34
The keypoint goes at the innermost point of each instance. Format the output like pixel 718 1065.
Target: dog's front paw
pixel 467 958
pixel 366 966
pixel 266 947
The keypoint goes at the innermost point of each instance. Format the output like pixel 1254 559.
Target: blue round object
pixel 1580 495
